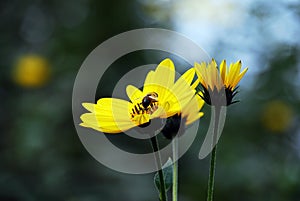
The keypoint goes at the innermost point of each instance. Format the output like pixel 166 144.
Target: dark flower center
pixel 222 97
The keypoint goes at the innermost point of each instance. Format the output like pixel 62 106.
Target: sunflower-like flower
pixel 219 87
pixel 161 97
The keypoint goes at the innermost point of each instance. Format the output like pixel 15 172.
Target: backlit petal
pixel 161 79
pixel 192 118
pixel 133 93
pixel 239 77
pixel 110 115
pixel 223 70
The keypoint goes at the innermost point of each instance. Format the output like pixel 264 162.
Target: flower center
pixel 222 97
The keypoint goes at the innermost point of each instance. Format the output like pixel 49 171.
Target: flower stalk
pixel 175 169
pixel 219 89
pixel 163 192
pixel 211 178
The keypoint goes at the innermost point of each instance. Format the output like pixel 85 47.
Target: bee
pixel 147 105
pixel 149 100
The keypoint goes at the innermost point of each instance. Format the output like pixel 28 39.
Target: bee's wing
pixel 153 98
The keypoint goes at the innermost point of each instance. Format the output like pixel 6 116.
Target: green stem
pixel 163 195
pixel 211 178
pixel 175 169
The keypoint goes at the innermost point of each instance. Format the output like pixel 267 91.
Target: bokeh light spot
pixel 31 71
pixel 277 116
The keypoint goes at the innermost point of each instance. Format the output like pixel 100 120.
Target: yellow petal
pixel 208 76
pixel 200 102
pixel 161 79
pixel 223 70
pixel 215 77
pixel 188 76
pixel 90 119
pixel 111 130
pixel 193 106
pixel 195 84
pixel 239 77
pixel 233 72
pixel 133 93
pixel 89 106
pixel 181 91
pixel 162 111
pixel 91 126
pixel 192 118
pixel 191 110
pixel 213 74
pixel 201 73
pixel 238 66
pixel 116 113
pixel 148 81
pixel 119 107
pixel 109 115
pixel 141 119
pixel 229 75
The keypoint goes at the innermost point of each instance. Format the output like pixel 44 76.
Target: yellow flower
pixel 161 97
pixel 214 82
pixel 31 71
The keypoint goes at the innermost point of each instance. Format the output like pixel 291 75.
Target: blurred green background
pixel 43 44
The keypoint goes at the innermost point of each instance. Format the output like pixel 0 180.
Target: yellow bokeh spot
pixel 31 71
pixel 277 116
